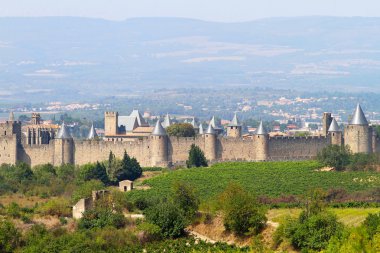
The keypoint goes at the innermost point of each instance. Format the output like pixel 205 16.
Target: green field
pixel 348 216
pixel 272 179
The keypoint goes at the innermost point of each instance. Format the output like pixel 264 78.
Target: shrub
pixel 181 130
pixel 185 197
pixel 85 189
pixel 196 157
pixel 148 232
pixel 100 218
pixel 55 207
pixel 242 213
pixel 13 210
pixel 169 217
pixel 9 236
pixel 335 156
pixel 372 224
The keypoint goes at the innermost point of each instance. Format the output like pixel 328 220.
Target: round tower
pixel 63 147
pixel 210 143
pixel 358 134
pixel 261 142
pixel 159 146
pixel 234 128
pixel 335 133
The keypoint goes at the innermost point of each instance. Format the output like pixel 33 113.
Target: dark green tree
pixel 127 169
pixel 181 130
pixel 95 171
pixel 196 157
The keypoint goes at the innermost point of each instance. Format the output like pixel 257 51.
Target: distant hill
pixel 68 58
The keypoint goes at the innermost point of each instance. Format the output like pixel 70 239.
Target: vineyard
pixel 272 179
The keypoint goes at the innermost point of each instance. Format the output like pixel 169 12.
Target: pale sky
pixel 212 10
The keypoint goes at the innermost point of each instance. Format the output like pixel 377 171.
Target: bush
pixel 168 217
pixel 101 218
pixel 185 197
pixel 196 157
pixel 335 156
pixel 372 224
pixel 85 189
pixel 148 232
pixel 314 227
pixel 9 236
pixel 55 207
pixel 242 213
pixel 13 210
pixel 181 130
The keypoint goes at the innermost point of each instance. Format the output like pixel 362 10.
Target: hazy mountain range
pixel 66 58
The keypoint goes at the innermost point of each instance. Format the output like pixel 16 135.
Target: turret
pixel 335 133
pixel 358 134
pixel 326 122
pixel 200 131
pixel 63 147
pixel 111 123
pixel 210 143
pixel 234 128
pixel 159 146
pixel 92 134
pixel 261 142
pixel 167 121
pixel 11 117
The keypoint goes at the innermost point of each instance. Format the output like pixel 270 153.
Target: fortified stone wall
pixel 178 148
pixel 296 148
pixel 37 154
pixel 91 151
pixel 8 149
pixel 232 149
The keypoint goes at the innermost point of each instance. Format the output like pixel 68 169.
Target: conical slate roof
pixel 235 121
pixel 261 130
pixel 167 121
pixel 210 129
pixel 158 129
pixel 140 120
pixel 214 123
pixel 201 129
pixel 92 134
pixel 334 126
pixel 11 116
pixel 193 123
pixel 358 118
pixel 63 132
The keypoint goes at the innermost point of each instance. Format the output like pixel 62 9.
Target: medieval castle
pixel 151 146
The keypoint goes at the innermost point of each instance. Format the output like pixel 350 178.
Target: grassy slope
pixel 269 178
pixel 348 216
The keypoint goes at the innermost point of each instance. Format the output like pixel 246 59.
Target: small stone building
pixel 87 203
pixel 126 185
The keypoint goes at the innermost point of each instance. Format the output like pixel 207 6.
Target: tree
pixel 181 130
pixel 335 156
pixel 315 225
pixel 196 157
pixel 127 169
pixel 242 213
pixel 95 171
pixel 169 217
pixel 185 197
